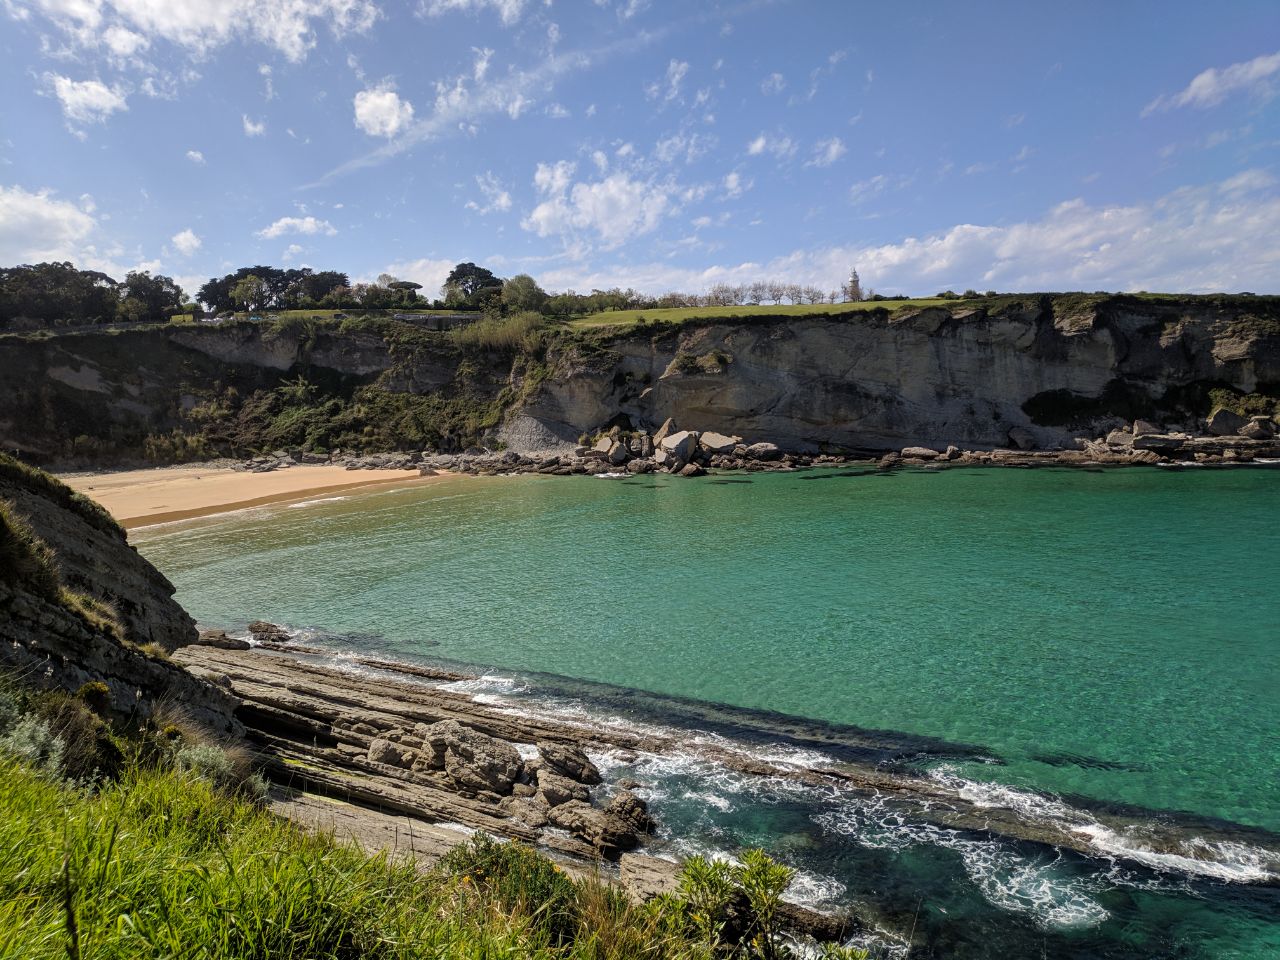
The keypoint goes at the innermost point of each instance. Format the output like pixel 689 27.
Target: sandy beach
pixel 137 498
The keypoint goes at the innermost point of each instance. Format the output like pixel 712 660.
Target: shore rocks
pixel 920 453
pixel 713 442
pixel 680 445
pixel 766 452
pixel 1225 423
pixel 474 760
pixel 219 639
pixel 264 632
pixel 568 761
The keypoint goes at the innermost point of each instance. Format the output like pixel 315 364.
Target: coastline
pixel 140 498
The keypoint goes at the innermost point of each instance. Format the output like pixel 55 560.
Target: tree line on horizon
pixel 57 293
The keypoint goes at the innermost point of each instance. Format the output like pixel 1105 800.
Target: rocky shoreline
pixel 1226 439
pixel 403 756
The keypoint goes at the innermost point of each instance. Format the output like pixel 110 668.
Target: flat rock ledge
pixel 394 763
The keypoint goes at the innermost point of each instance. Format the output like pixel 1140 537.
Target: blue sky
pixel 1008 146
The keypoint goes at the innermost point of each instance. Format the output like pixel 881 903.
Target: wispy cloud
pixel 1214 85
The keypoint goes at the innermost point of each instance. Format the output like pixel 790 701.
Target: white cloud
pixel 430 273
pixel 196 157
pixel 781 147
pixel 123 42
pixel 200 26
pixel 827 152
pixel 306 225
pixel 615 208
pixel 268 85
pixel 186 242
pixel 496 198
pixel 557 111
pixel 518 105
pixel 253 128
pixel 1212 86
pixel 508 10
pixel 1220 236
pixel 864 190
pixel 292 252
pixel 773 83
pixel 1247 181
pixel 481 65
pixel 734 185
pixel 668 88
pixel 85 101
pixel 35 227
pixel 380 112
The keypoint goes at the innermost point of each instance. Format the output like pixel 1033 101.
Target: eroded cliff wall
pixel 1048 368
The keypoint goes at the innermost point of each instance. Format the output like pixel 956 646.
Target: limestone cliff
pixel 1054 367
pixel 1050 367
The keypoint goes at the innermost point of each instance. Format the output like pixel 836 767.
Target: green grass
pixel 160 863
pixel 628 318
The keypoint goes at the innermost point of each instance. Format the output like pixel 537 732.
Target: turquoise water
pixel 1109 639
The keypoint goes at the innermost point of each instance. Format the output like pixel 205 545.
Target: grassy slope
pixel 161 864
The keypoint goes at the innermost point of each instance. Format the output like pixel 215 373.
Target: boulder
pixel 219 639
pixel 692 470
pixel 608 833
pixel 1021 438
pixel 668 427
pixel 568 761
pixel 1225 423
pixel 618 453
pixel 264 632
pixel 951 453
pixel 603 445
pixel 631 810
pixel 640 466
pixel 473 760
pixel 764 451
pixel 661 458
pixel 1259 428
pixel 555 789
pixel 1120 438
pixel 920 453
pixel 1142 428
pixel 680 445
pixel 713 442
pixel 1149 457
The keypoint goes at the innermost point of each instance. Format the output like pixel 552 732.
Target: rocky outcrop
pixel 396 743
pixel 101 613
pixel 94 558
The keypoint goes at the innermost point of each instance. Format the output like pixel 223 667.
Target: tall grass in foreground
pixel 161 864
pixel 500 334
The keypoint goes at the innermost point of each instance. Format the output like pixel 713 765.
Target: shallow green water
pixel 1112 638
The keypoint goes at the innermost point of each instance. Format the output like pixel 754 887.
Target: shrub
pixel 25 559
pixel 95 695
pixel 231 770
pixel 32 741
pixel 500 334
pixel 520 880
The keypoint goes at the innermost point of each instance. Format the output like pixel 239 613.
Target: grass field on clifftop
pixel 629 318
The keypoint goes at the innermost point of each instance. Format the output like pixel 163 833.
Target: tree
pixel 852 288
pixel 49 293
pixel 249 293
pixel 465 281
pixel 522 292
pixel 153 299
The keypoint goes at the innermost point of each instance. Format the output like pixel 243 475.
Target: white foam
pixel 308 503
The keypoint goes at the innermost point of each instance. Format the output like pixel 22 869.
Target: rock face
pixel 53 644
pixel 1057 368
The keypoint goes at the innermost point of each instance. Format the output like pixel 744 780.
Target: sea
pixel 1088 653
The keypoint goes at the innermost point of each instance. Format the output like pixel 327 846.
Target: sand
pixel 137 498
